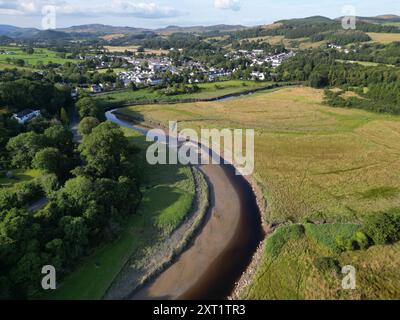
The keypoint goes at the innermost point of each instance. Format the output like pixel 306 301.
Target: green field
pixel 314 163
pixel 40 56
pixel 366 63
pixel 208 91
pixel 167 197
pixel 19 176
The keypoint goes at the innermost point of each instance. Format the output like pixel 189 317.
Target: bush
pixel 362 240
pixel 383 228
pixel 326 264
pixel 336 237
pixel 279 239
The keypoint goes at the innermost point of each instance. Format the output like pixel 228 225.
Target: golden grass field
pixel 384 37
pixel 317 163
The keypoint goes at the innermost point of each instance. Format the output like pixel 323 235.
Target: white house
pixel 154 81
pixel 26 115
pixel 96 88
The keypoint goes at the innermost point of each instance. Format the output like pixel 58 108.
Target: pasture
pixel 40 56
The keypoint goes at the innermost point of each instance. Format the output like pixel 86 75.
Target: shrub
pixel 325 264
pixel 279 239
pixel 362 240
pixel 383 228
pixel 334 237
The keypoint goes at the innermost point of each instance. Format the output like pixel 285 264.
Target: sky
pixel 161 13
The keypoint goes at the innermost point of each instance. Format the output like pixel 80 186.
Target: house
pixel 74 94
pixel 25 116
pixel 96 88
pixel 154 81
pixel 258 75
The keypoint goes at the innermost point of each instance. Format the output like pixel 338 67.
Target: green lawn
pixel 168 193
pixel 40 55
pixel 19 176
pixel 208 91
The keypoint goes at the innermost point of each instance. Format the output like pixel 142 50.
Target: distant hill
pixel 101 29
pixel 16 32
pixel 306 21
pixel 200 29
pixel 387 18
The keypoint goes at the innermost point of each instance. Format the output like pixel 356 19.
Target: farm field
pixel 314 163
pixel 113 49
pixel 207 91
pixel 384 37
pixel 40 56
pixel 167 198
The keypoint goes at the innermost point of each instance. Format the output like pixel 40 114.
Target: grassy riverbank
pixel 315 163
pixel 207 91
pixel 168 193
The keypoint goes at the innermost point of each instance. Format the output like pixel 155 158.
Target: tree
pixel 64 116
pixel 29 50
pixel 50 184
pixel 87 125
pixel 383 228
pixel 87 107
pixel 61 138
pixel 49 160
pixel 24 147
pixel 75 235
pixel 318 80
pixel 104 150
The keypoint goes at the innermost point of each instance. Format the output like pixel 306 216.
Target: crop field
pixel 384 37
pixel 314 163
pixel 167 198
pixel 207 91
pixel 40 56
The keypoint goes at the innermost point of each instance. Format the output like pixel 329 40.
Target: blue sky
pixel 161 13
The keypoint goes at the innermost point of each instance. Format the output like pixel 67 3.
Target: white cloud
pixel 92 8
pixel 227 4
